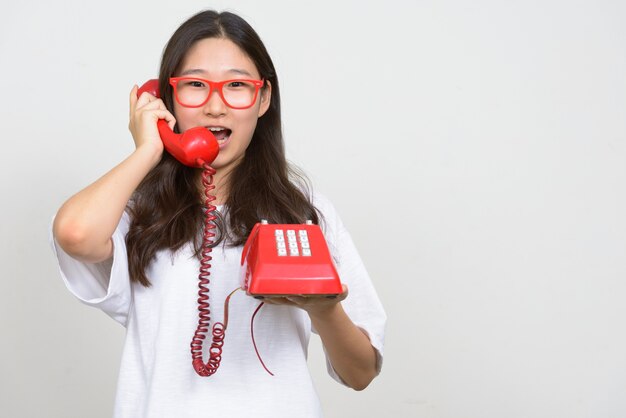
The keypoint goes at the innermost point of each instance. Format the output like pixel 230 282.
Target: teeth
pixel 216 129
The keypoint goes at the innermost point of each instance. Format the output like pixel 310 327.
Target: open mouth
pixel 221 134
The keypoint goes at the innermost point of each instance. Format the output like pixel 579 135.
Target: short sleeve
pixel 105 285
pixel 362 304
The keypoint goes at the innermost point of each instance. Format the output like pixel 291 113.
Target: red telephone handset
pixel 194 147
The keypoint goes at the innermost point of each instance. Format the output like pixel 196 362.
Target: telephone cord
pixel 204 318
pixel 253 340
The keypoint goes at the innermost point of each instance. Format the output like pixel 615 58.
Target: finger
pixel 153 104
pixel 298 300
pixel 343 294
pixel 273 299
pixel 144 99
pixel 133 99
pixel 171 120
pixel 171 123
pixel 278 301
pixel 164 114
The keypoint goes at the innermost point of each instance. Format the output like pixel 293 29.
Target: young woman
pixel 129 244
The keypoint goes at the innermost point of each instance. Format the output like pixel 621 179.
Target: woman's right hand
pixel 85 223
pixel 145 111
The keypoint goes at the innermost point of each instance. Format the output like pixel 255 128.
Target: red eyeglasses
pixel 236 94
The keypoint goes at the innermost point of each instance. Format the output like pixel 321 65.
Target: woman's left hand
pixel 314 305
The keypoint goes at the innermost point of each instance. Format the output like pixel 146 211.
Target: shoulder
pixel 323 205
pixel 125 221
pixel 329 220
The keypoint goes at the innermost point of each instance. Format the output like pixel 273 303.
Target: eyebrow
pixel 196 71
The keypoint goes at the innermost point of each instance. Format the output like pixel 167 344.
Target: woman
pixel 129 245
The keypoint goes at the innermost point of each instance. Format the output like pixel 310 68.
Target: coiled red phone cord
pixel 204 315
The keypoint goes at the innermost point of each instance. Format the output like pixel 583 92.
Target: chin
pixel 223 161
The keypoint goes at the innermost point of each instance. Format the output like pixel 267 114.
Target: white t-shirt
pixel 156 377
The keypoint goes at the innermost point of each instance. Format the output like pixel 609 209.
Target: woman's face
pixel 218 59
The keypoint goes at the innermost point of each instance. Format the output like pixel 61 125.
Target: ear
pixel 266 97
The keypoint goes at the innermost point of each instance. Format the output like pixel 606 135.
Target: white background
pixel 476 151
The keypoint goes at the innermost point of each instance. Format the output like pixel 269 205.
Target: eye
pixel 194 83
pixel 237 83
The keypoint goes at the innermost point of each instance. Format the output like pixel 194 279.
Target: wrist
pixel 150 152
pixel 325 313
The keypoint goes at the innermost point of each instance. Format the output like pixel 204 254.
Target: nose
pixel 215 106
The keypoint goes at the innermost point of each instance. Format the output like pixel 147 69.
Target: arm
pixel 85 223
pixel 348 347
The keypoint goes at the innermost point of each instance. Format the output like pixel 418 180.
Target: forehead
pixel 217 58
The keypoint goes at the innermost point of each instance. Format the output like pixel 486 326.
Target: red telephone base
pixel 288 259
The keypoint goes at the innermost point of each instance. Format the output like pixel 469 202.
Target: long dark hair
pixel 166 209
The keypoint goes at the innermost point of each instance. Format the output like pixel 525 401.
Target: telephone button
pixel 282 252
pixel 304 244
pixel 306 252
pixel 281 244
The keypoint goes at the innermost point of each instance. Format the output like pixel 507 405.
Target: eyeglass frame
pixel 216 85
